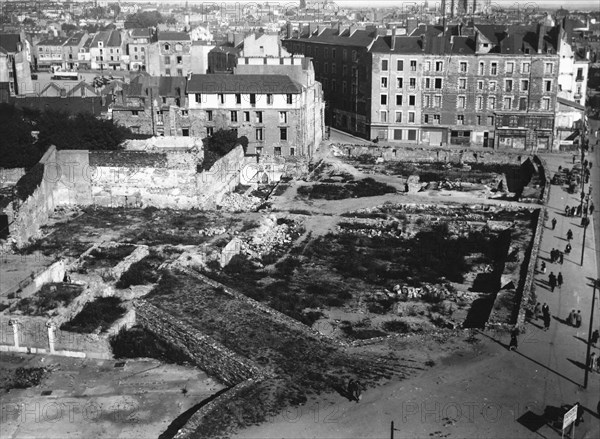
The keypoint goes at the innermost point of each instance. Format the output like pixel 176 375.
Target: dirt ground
pixel 93 398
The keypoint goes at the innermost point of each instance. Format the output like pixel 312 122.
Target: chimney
pixel 288 30
pixel 312 26
pixel 541 33
pixel 423 41
pixel 393 38
pixel 322 27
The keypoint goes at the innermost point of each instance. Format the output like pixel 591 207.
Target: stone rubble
pixel 233 202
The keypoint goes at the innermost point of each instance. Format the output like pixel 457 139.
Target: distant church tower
pixel 302 4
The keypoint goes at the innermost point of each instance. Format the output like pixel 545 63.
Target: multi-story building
pixel 106 51
pixel 170 55
pixel 49 53
pixel 267 109
pixel 14 64
pixel 486 86
pixel 138 41
pixel 70 50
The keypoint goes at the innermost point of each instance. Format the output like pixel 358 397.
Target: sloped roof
pixel 91 90
pixel 9 42
pixel 75 39
pixel 572 104
pixel 52 41
pixel 358 37
pixel 172 86
pixel 226 83
pixel 140 33
pixel 173 36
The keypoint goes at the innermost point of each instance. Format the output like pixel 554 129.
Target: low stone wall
pixel 54 273
pixel 10 176
pixel 527 288
pixel 223 176
pixel 207 353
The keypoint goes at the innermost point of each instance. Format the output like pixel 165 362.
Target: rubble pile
pixel 371 229
pixel 271 237
pixel 233 202
pixel 212 231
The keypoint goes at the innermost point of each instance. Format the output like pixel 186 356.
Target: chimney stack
pixel 541 33
pixel 393 38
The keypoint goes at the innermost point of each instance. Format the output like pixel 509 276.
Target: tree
pixel 144 19
pixel 16 148
pixel 219 144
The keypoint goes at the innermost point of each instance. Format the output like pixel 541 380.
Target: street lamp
pixel 589 339
pixel 585 221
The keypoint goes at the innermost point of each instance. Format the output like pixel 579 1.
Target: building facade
pixel 170 55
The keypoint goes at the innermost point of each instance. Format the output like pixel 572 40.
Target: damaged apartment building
pixel 272 98
pixel 485 85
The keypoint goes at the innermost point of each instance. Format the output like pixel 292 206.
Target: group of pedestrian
pixel 557 256
pixel 555 281
pixel 569 235
pixel 570 211
pixel 355 390
pixel 574 318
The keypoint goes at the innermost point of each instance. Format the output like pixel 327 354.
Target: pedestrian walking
pixel 567 210
pixel 595 336
pixel 573 211
pixel 559 280
pixel 546 322
pixel 578 319
pixel 553 223
pixel 571 318
pixel 553 255
pixel 569 235
pixel 537 312
pixel 543 267
pixel 561 257
pixel 514 341
pixel 545 309
pixel 574 157
pixel 579 210
pixel 552 281
pixel 591 208
pixel 568 248
pixel 591 362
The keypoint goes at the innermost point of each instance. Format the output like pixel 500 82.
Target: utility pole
pixel 585 221
pixel 589 339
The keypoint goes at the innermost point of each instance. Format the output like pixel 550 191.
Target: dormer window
pixel 178 47
pixel 167 47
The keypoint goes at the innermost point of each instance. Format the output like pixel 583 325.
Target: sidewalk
pixel 561 351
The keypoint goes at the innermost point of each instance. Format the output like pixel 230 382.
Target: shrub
pixel 102 312
pixel 139 273
pixel 139 342
pixel 28 377
pixel 50 296
pixel 29 182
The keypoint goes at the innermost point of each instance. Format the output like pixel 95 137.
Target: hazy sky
pixel 587 4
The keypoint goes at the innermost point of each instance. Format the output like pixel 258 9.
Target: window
pixel 508 85
pixel 269 99
pixel 354 55
pixel 491 102
pixel 437 101
pixel 411 117
pixel 462 102
pixel 480 102
pixel 333 68
pixel 427 66
pixel 400 65
pixel 412 100
pixel 412 83
pixel 545 103
pixel 345 70
pixel 481 68
pixel 185 113
pixel 478 120
pixel 210 131
pixel 460 119
pixel 179 60
pixel 463 67
pixel 282 133
pixel 462 84
pixel 333 53
pixel 292 151
pixel 548 68
pixel 246 116
pixel 326 68
pixel 524 85
pixel 333 85
pixel 259 134
pixel 383 116
pixel 289 98
pixel 492 85
pixel 494 68
pixel 252 99
pixel 344 87
pixel 384 82
pixel 164 100
pixel 221 97
pixel 522 104
pixel 439 66
pixel 438 83
pixel 413 65
pixel 277 150
pixel 209 115
pixel 399 82
pixel 479 85
pixel 436 119
pixel 168 72
pixel 259 150
pixel 178 47
pixel 398 116
pixel 325 52
pixel 384 65
pixel 398 99
pixel 259 117
pixel 427 83
pixel 507 103
pixel 283 117
pixel 167 60
pixel 412 134
pixel 198 97
pixel 397 134
pixel 426 119
pixel 383 99
pixel 510 67
pixel 490 120
pixel 185 132
pixel 135 113
pixel 548 85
